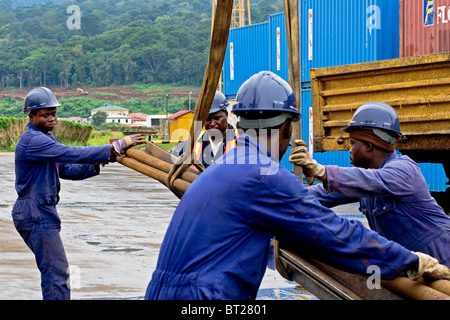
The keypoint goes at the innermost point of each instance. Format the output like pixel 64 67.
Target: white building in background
pixel 118 119
pixel 115 114
pixel 110 110
pixel 154 120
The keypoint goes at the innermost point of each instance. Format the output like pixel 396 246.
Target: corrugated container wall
pixel 424 27
pixel 248 53
pixel 346 32
pixel 279 59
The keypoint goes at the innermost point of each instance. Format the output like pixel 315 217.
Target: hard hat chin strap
pixel 245 123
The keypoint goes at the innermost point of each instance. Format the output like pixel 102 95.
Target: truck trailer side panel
pixel 418 88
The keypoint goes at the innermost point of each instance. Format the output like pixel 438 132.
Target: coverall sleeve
pixel 76 171
pixel 44 148
pixel 391 180
pixel 329 199
pixel 283 207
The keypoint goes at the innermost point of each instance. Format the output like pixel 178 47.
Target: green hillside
pixel 117 42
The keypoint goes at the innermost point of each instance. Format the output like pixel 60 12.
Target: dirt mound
pixel 15 94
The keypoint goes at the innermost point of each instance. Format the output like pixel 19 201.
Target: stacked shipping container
pixel 332 33
pixel 424 27
pixel 347 31
pixel 247 53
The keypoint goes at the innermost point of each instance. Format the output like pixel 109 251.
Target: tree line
pixel 117 42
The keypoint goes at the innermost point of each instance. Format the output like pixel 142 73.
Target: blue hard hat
pixel 375 115
pixel 220 102
pixel 40 98
pixel 265 92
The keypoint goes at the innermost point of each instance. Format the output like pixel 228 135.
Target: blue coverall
pixel 217 244
pixel 396 201
pixel 39 163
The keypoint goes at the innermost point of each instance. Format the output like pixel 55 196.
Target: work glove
pixel 129 141
pixel 429 267
pixel 301 157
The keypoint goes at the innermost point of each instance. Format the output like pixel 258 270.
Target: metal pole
pixel 167 98
pixel 190 94
pixel 167 121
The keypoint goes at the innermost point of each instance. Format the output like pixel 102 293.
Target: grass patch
pixel 10 148
pixel 101 93
pixel 98 138
pixel 161 87
pixel 168 146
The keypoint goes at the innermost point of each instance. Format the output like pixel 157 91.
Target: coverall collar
pixel 33 127
pixel 246 139
pixel 392 157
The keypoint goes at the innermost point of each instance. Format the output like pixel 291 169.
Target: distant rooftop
pixel 138 116
pixel 179 114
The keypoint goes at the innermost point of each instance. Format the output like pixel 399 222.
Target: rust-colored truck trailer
pixel 418 88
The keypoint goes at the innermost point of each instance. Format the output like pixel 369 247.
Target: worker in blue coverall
pixel 218 137
pixel 40 161
pixel 390 188
pixel 217 243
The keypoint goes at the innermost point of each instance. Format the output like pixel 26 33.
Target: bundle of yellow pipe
pixel 419 290
pixel 156 163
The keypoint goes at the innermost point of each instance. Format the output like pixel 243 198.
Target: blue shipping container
pixel 435 176
pixel 346 32
pixel 433 173
pixel 248 53
pixel 279 59
pixel 342 32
